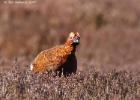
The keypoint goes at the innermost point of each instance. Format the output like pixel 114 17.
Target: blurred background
pixel 109 29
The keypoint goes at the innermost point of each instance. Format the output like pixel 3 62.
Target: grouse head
pixel 73 39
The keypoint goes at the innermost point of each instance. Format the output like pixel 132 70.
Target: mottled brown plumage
pixel 60 58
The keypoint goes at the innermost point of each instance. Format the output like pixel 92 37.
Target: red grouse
pixel 60 58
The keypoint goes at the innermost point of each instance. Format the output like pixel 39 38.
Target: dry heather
pixel 85 85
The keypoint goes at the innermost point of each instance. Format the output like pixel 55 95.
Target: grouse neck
pixel 70 47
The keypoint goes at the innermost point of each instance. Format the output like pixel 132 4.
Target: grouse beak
pixel 76 41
